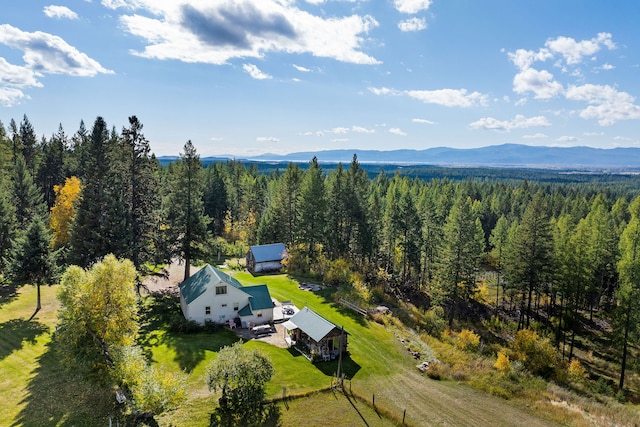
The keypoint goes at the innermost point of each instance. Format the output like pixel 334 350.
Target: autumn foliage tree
pixel 64 210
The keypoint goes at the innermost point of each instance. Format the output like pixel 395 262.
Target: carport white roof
pixel 311 323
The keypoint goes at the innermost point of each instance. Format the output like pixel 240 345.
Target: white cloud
pixel 59 12
pixel 339 130
pixel 567 139
pixel 606 66
pixel 593 134
pixel 540 82
pixel 215 138
pixel 423 121
pixel 412 6
pixel 384 91
pixel 523 59
pixel 301 69
pixel 573 51
pixel 413 24
pixel 267 139
pixel 519 122
pixel 255 72
pixel 15 75
pixel 360 129
pixel 535 136
pixel 10 96
pixel 215 32
pixel 340 140
pixel 48 54
pixel 449 97
pixel 397 131
pixel 607 105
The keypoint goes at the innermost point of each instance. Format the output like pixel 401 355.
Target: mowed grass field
pixel 37 391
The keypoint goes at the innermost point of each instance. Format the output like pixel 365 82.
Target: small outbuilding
pixel 213 295
pixel 316 335
pixel 265 258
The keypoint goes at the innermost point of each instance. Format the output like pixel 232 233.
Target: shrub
pixel 503 364
pixel 434 321
pixel 468 340
pixel 339 272
pixel 537 354
pixel 577 372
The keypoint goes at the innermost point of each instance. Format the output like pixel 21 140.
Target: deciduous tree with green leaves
pixel 99 313
pixel 240 375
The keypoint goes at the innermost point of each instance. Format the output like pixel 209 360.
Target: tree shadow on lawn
pixel 161 318
pixel 57 397
pixel 8 293
pixel 191 349
pixel 16 332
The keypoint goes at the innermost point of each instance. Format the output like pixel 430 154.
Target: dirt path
pixel 172 278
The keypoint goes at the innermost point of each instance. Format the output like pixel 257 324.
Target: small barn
pixel 264 258
pixel 213 295
pixel 315 334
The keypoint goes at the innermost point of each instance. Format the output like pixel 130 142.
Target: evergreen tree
pixel 139 180
pixel 90 239
pixel 8 222
pixel 529 263
pixel 498 240
pixel 50 172
pixel 32 260
pixel 312 208
pixel 29 142
pixel 215 198
pixel 462 247
pixel 186 223
pixel 27 197
pixel 627 314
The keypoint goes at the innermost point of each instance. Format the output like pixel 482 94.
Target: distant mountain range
pixel 506 155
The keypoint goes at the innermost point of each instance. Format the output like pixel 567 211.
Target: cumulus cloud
pixel 423 121
pixel 411 6
pixel 519 122
pixel 540 82
pixel 449 97
pixel 59 12
pixel 607 105
pixel 267 139
pixel 412 24
pixel 48 54
pixel 43 54
pixel 566 51
pixel 397 131
pixel 573 51
pixel 255 72
pixel 10 96
pixel 215 32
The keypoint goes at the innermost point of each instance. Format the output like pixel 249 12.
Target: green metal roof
pixel 198 284
pixel 259 299
pixel 312 324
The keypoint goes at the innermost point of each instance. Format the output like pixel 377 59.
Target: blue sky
pixel 245 77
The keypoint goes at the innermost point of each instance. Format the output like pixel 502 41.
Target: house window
pixel 259 314
pixel 236 306
pixel 224 305
pixel 221 290
pixel 207 310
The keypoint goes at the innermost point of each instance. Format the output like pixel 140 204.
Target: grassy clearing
pixel 35 389
pixel 38 391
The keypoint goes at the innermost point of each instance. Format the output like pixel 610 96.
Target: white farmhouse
pixel 213 295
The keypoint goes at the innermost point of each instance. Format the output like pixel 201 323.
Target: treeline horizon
pixel 561 250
